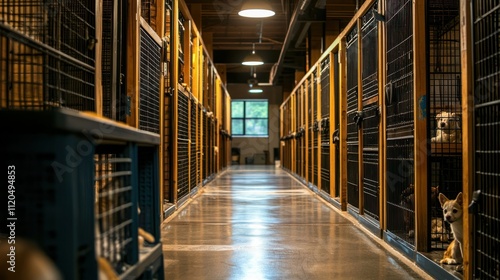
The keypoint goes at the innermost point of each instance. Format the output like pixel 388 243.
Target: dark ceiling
pixel 280 40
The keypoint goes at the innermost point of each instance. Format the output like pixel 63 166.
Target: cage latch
pixel 388 93
pixel 358 117
pixel 476 199
pixel 129 110
pixel 336 136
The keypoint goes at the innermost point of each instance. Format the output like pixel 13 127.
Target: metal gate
pixel 114 97
pixel 371 115
pixel 149 83
pixel 183 146
pixel 352 119
pixel 486 29
pixel 444 103
pixel 399 120
pixel 48 55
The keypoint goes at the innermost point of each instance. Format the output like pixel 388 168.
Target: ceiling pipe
pixel 290 34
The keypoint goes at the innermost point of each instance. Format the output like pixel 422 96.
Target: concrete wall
pixel 250 146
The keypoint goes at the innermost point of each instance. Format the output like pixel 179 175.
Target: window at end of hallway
pixel 249 118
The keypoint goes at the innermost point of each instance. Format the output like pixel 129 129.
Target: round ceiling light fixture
pixel 256 9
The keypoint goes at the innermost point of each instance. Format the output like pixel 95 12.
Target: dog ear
pixel 442 199
pixel 459 198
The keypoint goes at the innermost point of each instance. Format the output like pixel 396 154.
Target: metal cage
pixel 486 30
pixel 371 114
pixel 47 55
pixel 352 125
pixel 444 101
pixel 115 206
pixel 149 83
pixel 183 146
pixel 399 120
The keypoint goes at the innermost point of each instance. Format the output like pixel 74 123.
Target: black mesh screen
pixel 183 146
pixel 399 102
pixel 486 15
pixel 48 55
pixel 149 84
pixel 352 127
pixel 444 128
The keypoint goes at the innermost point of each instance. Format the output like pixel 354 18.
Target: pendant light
pixel 256 9
pixel 252 59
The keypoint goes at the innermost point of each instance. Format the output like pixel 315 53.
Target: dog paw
pixel 448 261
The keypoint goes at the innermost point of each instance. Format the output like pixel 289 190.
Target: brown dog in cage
pixel 448 128
pixel 452 213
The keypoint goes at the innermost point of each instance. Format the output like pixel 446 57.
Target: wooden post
pixel 420 125
pixel 360 130
pixel 160 24
pixel 305 107
pixel 343 123
pixel 98 59
pixel 382 125
pixel 174 75
pixel 331 130
pixel 468 153
pixel 317 84
pixel 133 23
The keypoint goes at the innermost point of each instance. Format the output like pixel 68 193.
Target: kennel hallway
pixel 258 222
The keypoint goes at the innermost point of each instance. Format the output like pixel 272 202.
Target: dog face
pixel 452 209
pixel 447 121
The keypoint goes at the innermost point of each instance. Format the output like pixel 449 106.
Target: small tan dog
pixel 452 213
pixel 448 128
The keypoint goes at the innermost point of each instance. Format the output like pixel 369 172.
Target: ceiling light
pixel 255 90
pixel 252 59
pixel 256 9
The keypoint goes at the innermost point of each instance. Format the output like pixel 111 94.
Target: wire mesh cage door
pixel 444 102
pixel 114 98
pixel 116 206
pixel 47 55
pixel 149 83
pixel 371 115
pixel 399 120
pixel 183 146
pixel 352 125
pixel 193 167
pixel 486 29
pixel 325 124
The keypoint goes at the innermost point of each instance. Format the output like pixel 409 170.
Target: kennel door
pixel 486 14
pixel 352 125
pixel 371 116
pixel 399 118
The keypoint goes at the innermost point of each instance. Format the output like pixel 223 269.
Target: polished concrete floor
pixel 257 222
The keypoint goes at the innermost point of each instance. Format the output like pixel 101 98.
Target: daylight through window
pixel 249 118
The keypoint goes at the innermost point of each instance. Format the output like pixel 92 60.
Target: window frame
pixel 245 118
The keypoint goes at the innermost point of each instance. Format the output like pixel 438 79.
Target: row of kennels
pixel 408 130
